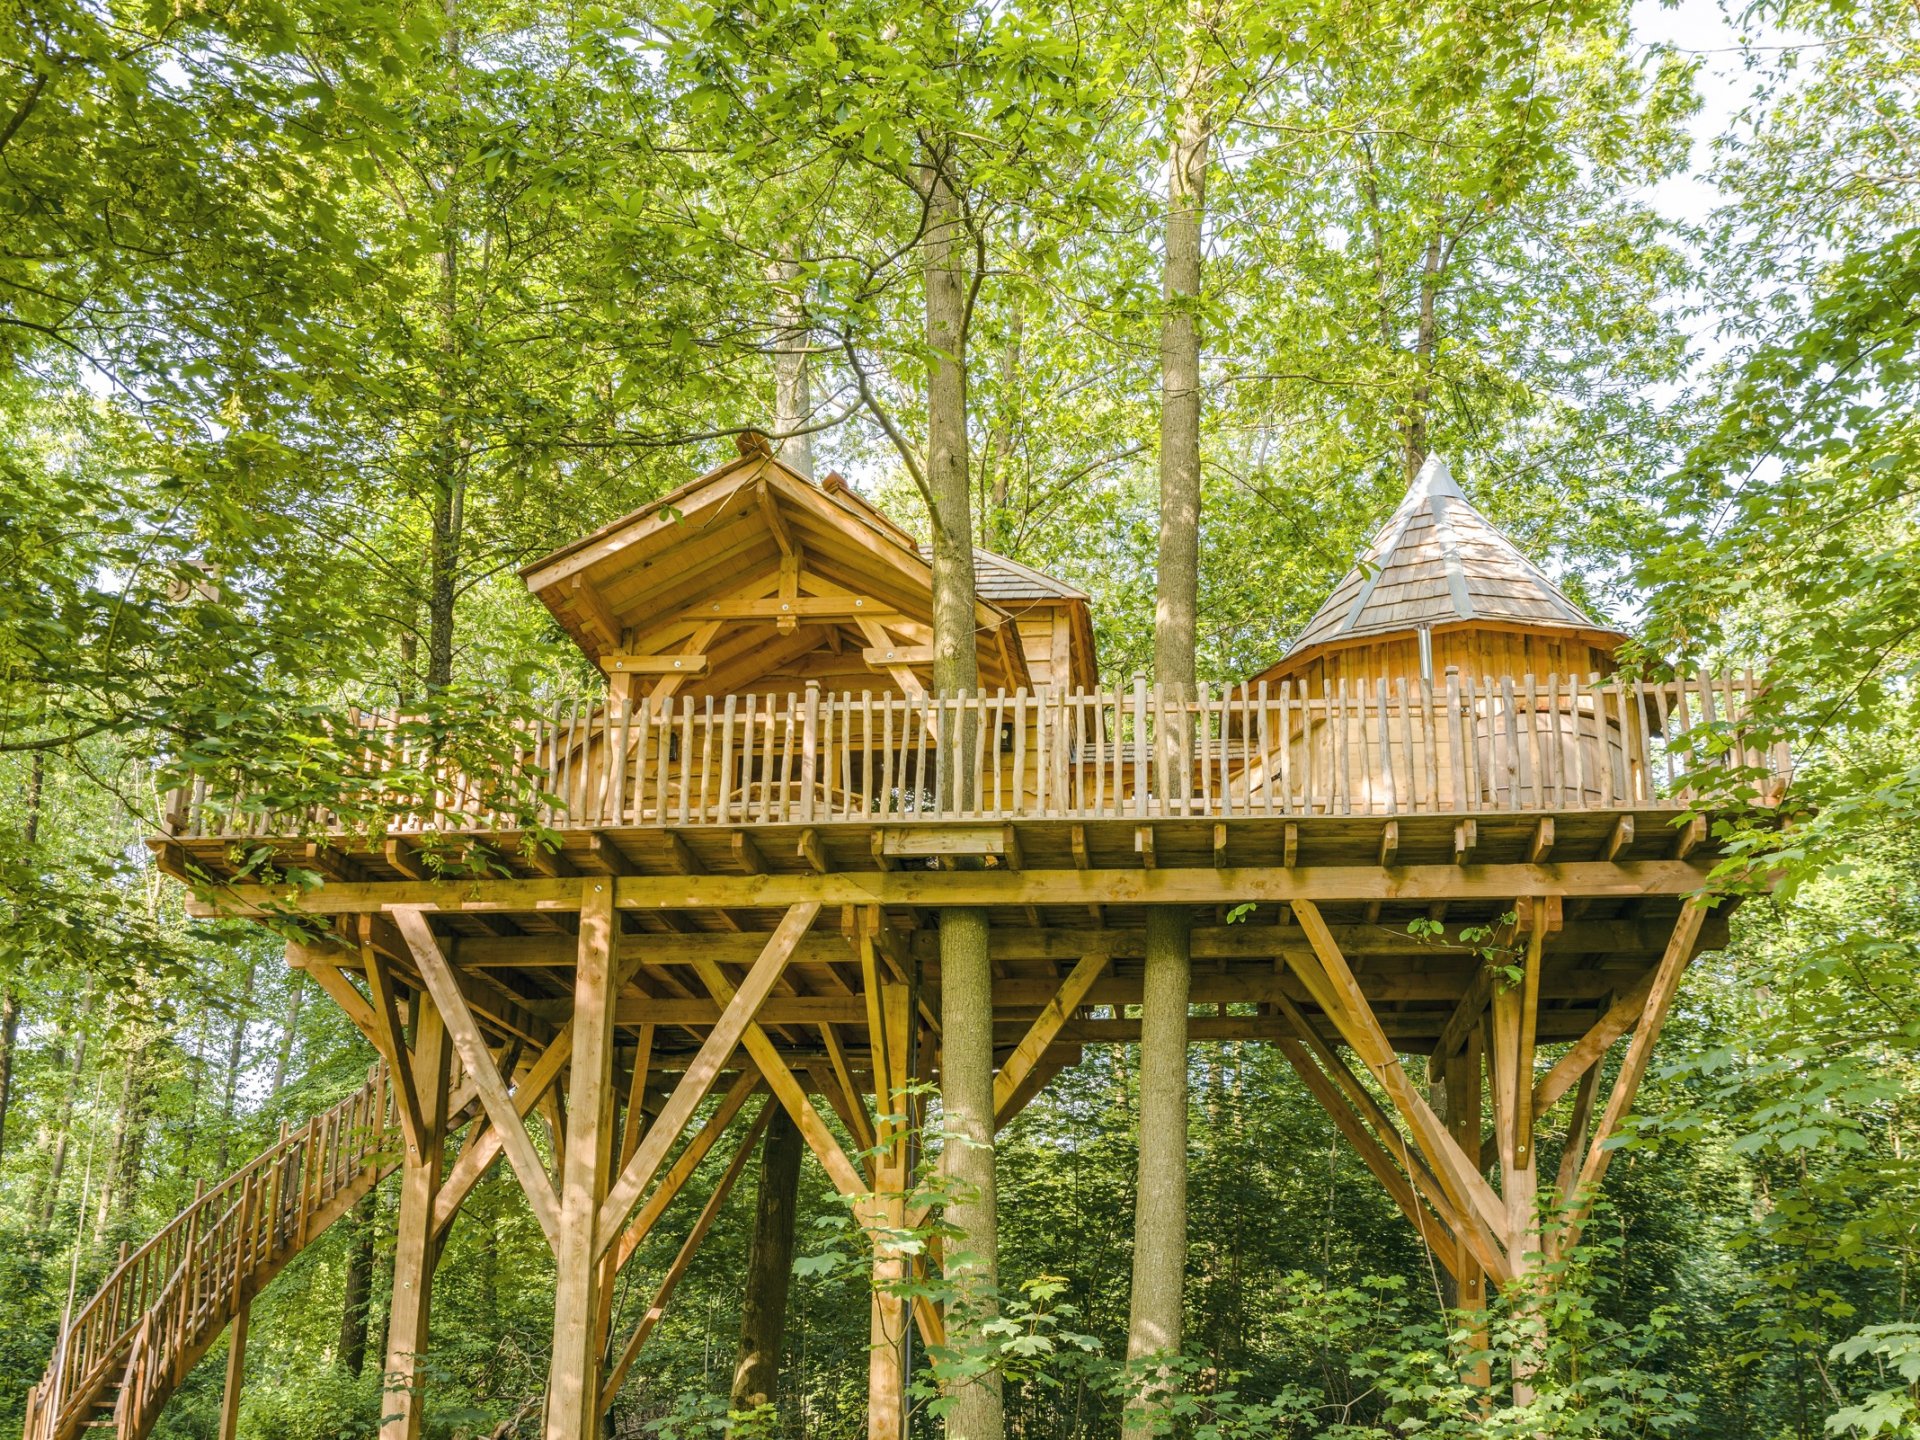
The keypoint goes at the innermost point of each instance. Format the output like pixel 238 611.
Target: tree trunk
pixel 129 1122
pixel 10 997
pixel 353 1308
pixel 63 1123
pixel 236 1051
pixel 966 992
pixel 9 1038
pixel 448 462
pixel 792 391
pixel 283 1057
pixel 1160 1212
pixel 763 1311
pixel 996 462
pixel 1414 429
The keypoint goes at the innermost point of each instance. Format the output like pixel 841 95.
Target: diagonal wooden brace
pixel 735 1019
pixel 501 1112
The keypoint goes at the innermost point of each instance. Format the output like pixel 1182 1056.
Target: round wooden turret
pixel 1443 605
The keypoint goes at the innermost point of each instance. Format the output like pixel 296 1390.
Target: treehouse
pixel 726 899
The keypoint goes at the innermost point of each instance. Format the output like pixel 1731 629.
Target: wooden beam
pixel 886 657
pixel 689 666
pixel 1033 1045
pixel 573 1383
pixel 813 852
pixel 409 1321
pixel 746 854
pixel 1653 1015
pixel 1619 838
pixel 1143 845
pixel 481 1149
pixel 845 1175
pixel 452 1005
pixel 229 1426
pixel 1389 842
pixel 1541 845
pixel 1199 886
pixel 391 1041
pixel 616 1377
pixel 1341 997
pixel 700 1075
pixel 683 1167
pixel 1466 835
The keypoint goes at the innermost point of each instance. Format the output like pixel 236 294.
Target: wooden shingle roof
pixel 1439 563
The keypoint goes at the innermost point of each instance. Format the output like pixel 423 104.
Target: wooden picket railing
pixel 1461 745
pixel 124 1351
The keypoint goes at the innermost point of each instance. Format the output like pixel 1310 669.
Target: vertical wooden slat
pixel 1018 797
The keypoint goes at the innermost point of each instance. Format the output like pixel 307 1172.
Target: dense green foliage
pixel 318 317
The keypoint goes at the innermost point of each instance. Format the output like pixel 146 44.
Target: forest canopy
pixel 319 319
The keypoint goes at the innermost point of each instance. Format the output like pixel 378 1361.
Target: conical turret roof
pixel 1439 563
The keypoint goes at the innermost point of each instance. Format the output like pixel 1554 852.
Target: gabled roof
pixel 717 556
pixel 995 577
pixel 1439 563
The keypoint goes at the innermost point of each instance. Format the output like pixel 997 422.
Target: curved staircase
pixel 125 1351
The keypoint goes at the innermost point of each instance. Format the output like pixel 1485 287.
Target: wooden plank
pixel 704 1070
pixel 1208 886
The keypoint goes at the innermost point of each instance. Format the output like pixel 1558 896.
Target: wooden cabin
pixel 753 580
pixel 1444 616
pixel 730 895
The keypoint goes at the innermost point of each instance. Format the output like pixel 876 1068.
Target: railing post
pixel 809 760
pixel 1142 768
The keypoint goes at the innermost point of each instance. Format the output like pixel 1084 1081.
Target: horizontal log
pixel 1067 944
pixel 1326 884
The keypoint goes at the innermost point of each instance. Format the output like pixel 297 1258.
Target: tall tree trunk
pixel 9 996
pixel 9 1038
pixel 763 1310
pixel 289 1030
pixel 236 1051
pixel 1414 429
pixel 1154 1327
pixel 792 389
pixel 996 461
pixel 359 1289
pixel 449 476
pixel 966 991
pixel 122 1179
pixel 49 1198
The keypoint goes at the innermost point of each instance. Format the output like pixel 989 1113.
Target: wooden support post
pixel 1465 1104
pixel 414 1252
pixel 236 1372
pixel 573 1383
pixel 886 1215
